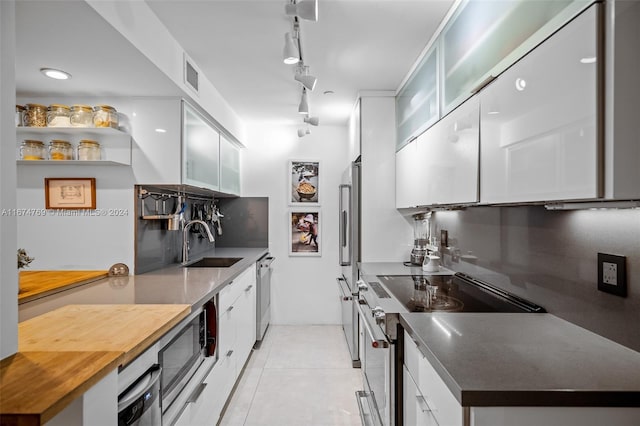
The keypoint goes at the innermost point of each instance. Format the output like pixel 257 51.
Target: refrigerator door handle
pixel 344 226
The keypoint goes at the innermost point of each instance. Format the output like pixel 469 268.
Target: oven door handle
pixel 376 336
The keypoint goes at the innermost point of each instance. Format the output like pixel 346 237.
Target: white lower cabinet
pixel 416 410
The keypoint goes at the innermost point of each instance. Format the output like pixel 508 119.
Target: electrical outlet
pixel 612 274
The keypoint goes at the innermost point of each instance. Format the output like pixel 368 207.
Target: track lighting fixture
pixel 290 53
pixel 308 81
pixel 303 108
pixel 312 120
pixel 303 132
pixel 304 9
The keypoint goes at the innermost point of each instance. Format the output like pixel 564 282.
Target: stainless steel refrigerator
pixel 349 255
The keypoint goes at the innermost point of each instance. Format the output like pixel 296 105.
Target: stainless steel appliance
pixel 263 302
pixel 349 254
pixel 139 404
pixel 183 354
pixel 384 298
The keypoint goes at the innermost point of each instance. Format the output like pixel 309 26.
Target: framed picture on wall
pixel 304 182
pixel 70 193
pixel 304 232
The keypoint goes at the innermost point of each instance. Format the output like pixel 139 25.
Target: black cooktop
pixel 453 293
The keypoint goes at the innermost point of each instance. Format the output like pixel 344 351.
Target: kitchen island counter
pixel 504 359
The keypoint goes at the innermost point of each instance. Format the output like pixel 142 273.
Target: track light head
pixel 303 108
pixel 301 133
pixel 307 80
pixel 304 9
pixel 290 54
pixel 312 120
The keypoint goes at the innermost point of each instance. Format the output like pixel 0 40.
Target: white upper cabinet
pixel 201 151
pixel 440 167
pixel 417 101
pixel 448 156
pixel 539 121
pixel 483 38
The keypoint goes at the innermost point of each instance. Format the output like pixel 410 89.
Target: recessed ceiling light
pixel 521 84
pixel 493 112
pixel 328 92
pixel 55 74
pixel 161 131
pixel 589 60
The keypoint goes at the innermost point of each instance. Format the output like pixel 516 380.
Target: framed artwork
pixel 70 193
pixel 304 181
pixel 304 232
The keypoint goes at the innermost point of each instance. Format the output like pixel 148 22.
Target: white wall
pixel 304 289
pixel 8 245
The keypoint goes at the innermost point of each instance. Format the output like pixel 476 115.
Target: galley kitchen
pixel 319 212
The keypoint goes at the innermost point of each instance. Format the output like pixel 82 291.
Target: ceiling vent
pixel 191 74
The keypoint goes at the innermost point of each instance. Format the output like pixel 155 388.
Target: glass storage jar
pixel 58 115
pixel 81 116
pixel 19 115
pixel 105 116
pixel 89 150
pixel 60 150
pixel 32 150
pixel 35 115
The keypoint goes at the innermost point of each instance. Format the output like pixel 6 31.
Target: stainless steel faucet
pixel 185 238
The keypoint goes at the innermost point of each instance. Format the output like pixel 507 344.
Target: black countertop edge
pixel 549 398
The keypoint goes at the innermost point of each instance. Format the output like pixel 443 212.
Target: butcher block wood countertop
pixel 36 284
pixel 62 353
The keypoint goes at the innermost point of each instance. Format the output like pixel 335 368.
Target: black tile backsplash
pixel 550 258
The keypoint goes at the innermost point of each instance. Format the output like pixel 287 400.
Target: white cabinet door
pixel 201 155
pixel 246 326
pixel 415 409
pixel 229 167
pixel 539 121
pixel 448 158
pixel 205 411
pixel 408 175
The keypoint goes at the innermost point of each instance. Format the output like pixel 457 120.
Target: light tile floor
pixel 300 376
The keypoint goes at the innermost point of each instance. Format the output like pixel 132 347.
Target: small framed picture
pixel 304 232
pixel 304 182
pixel 70 193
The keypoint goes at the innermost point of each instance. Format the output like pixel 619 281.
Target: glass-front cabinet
pixel 483 38
pixel 229 167
pixel 540 120
pixel 417 101
pixel 201 142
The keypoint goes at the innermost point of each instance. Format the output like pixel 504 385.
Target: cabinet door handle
pixel 248 288
pixel 229 353
pixel 196 393
pixel 422 403
pixel 230 308
pixel 482 85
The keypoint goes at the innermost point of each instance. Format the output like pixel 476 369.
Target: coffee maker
pixel 421 224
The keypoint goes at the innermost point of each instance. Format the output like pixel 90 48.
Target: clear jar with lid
pixel 81 116
pixel 20 115
pixel 32 150
pixel 35 115
pixel 58 116
pixel 105 116
pixel 89 150
pixel 60 150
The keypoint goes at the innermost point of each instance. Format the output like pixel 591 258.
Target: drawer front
pixel 415 408
pixel 234 289
pixel 217 387
pixel 435 394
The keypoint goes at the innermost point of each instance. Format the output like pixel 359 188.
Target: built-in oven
pixel 184 351
pixel 383 298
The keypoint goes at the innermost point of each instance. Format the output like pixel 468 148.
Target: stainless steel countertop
pixel 174 284
pixel 503 359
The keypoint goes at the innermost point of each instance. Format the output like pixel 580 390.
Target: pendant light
pixel 303 77
pixel 305 9
pixel 303 108
pixel 290 53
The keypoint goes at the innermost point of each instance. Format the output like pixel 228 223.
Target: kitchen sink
pixel 214 262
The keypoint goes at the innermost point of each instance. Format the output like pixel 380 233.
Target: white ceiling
pixel 356 45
